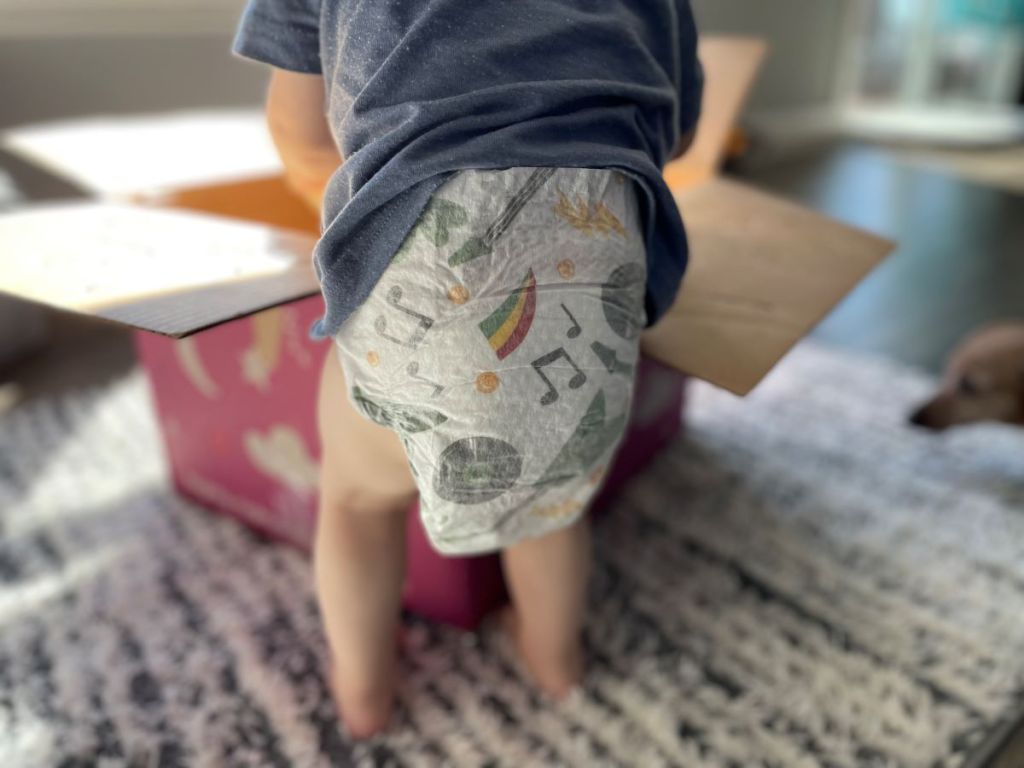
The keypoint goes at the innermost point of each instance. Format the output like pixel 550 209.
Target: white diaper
pixel 501 345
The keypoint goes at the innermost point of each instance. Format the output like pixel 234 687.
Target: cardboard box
pixel 236 402
pixel 236 405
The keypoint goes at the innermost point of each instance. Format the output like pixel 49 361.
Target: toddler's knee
pixel 360 502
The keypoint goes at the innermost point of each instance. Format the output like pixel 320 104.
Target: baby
pixel 496 233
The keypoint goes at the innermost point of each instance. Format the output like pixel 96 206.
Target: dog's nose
pixel 919 418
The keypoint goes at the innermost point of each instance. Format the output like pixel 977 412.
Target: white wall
pixel 175 54
pixel 62 58
pixel 53 77
pixel 805 38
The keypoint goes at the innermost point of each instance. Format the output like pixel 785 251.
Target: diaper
pixel 501 346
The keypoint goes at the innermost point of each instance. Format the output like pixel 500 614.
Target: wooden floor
pixel 1001 167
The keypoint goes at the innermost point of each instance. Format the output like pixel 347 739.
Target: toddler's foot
pixel 557 671
pixel 366 710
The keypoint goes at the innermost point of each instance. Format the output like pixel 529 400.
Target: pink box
pixel 236 405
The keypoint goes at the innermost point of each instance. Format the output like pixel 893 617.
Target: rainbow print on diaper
pixel 507 326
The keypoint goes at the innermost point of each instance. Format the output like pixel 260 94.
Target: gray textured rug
pixel 799 581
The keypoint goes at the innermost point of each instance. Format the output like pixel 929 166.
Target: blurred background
pixel 948 70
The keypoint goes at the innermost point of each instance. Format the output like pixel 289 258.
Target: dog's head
pixel 984 381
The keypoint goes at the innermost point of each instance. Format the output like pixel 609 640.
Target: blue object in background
pixel 988 12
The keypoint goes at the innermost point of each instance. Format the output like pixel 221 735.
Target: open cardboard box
pixel 230 258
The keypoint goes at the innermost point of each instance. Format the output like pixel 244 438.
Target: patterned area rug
pixel 800 581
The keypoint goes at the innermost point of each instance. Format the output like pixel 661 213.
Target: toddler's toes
pixel 558 677
pixel 366 719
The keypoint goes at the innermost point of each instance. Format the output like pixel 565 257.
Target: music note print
pixel 423 322
pixel 577 381
pixel 610 359
pixel 576 329
pixel 413 370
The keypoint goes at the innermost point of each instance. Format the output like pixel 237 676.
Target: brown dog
pixel 984 381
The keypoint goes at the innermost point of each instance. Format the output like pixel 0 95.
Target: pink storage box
pixel 236 406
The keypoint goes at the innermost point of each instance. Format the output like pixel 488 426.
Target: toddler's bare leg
pixel 547 578
pixel 359 553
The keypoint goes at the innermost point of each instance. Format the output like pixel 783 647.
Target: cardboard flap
pixel 161 270
pixel 265 199
pixel 730 66
pixel 763 272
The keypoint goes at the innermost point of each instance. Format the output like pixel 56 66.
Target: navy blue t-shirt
pixel 419 89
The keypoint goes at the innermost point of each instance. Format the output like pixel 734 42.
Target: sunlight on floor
pixel 31 737
pixel 59 481
pixel 27 597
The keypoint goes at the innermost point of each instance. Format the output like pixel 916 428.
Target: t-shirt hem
pixel 254 41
